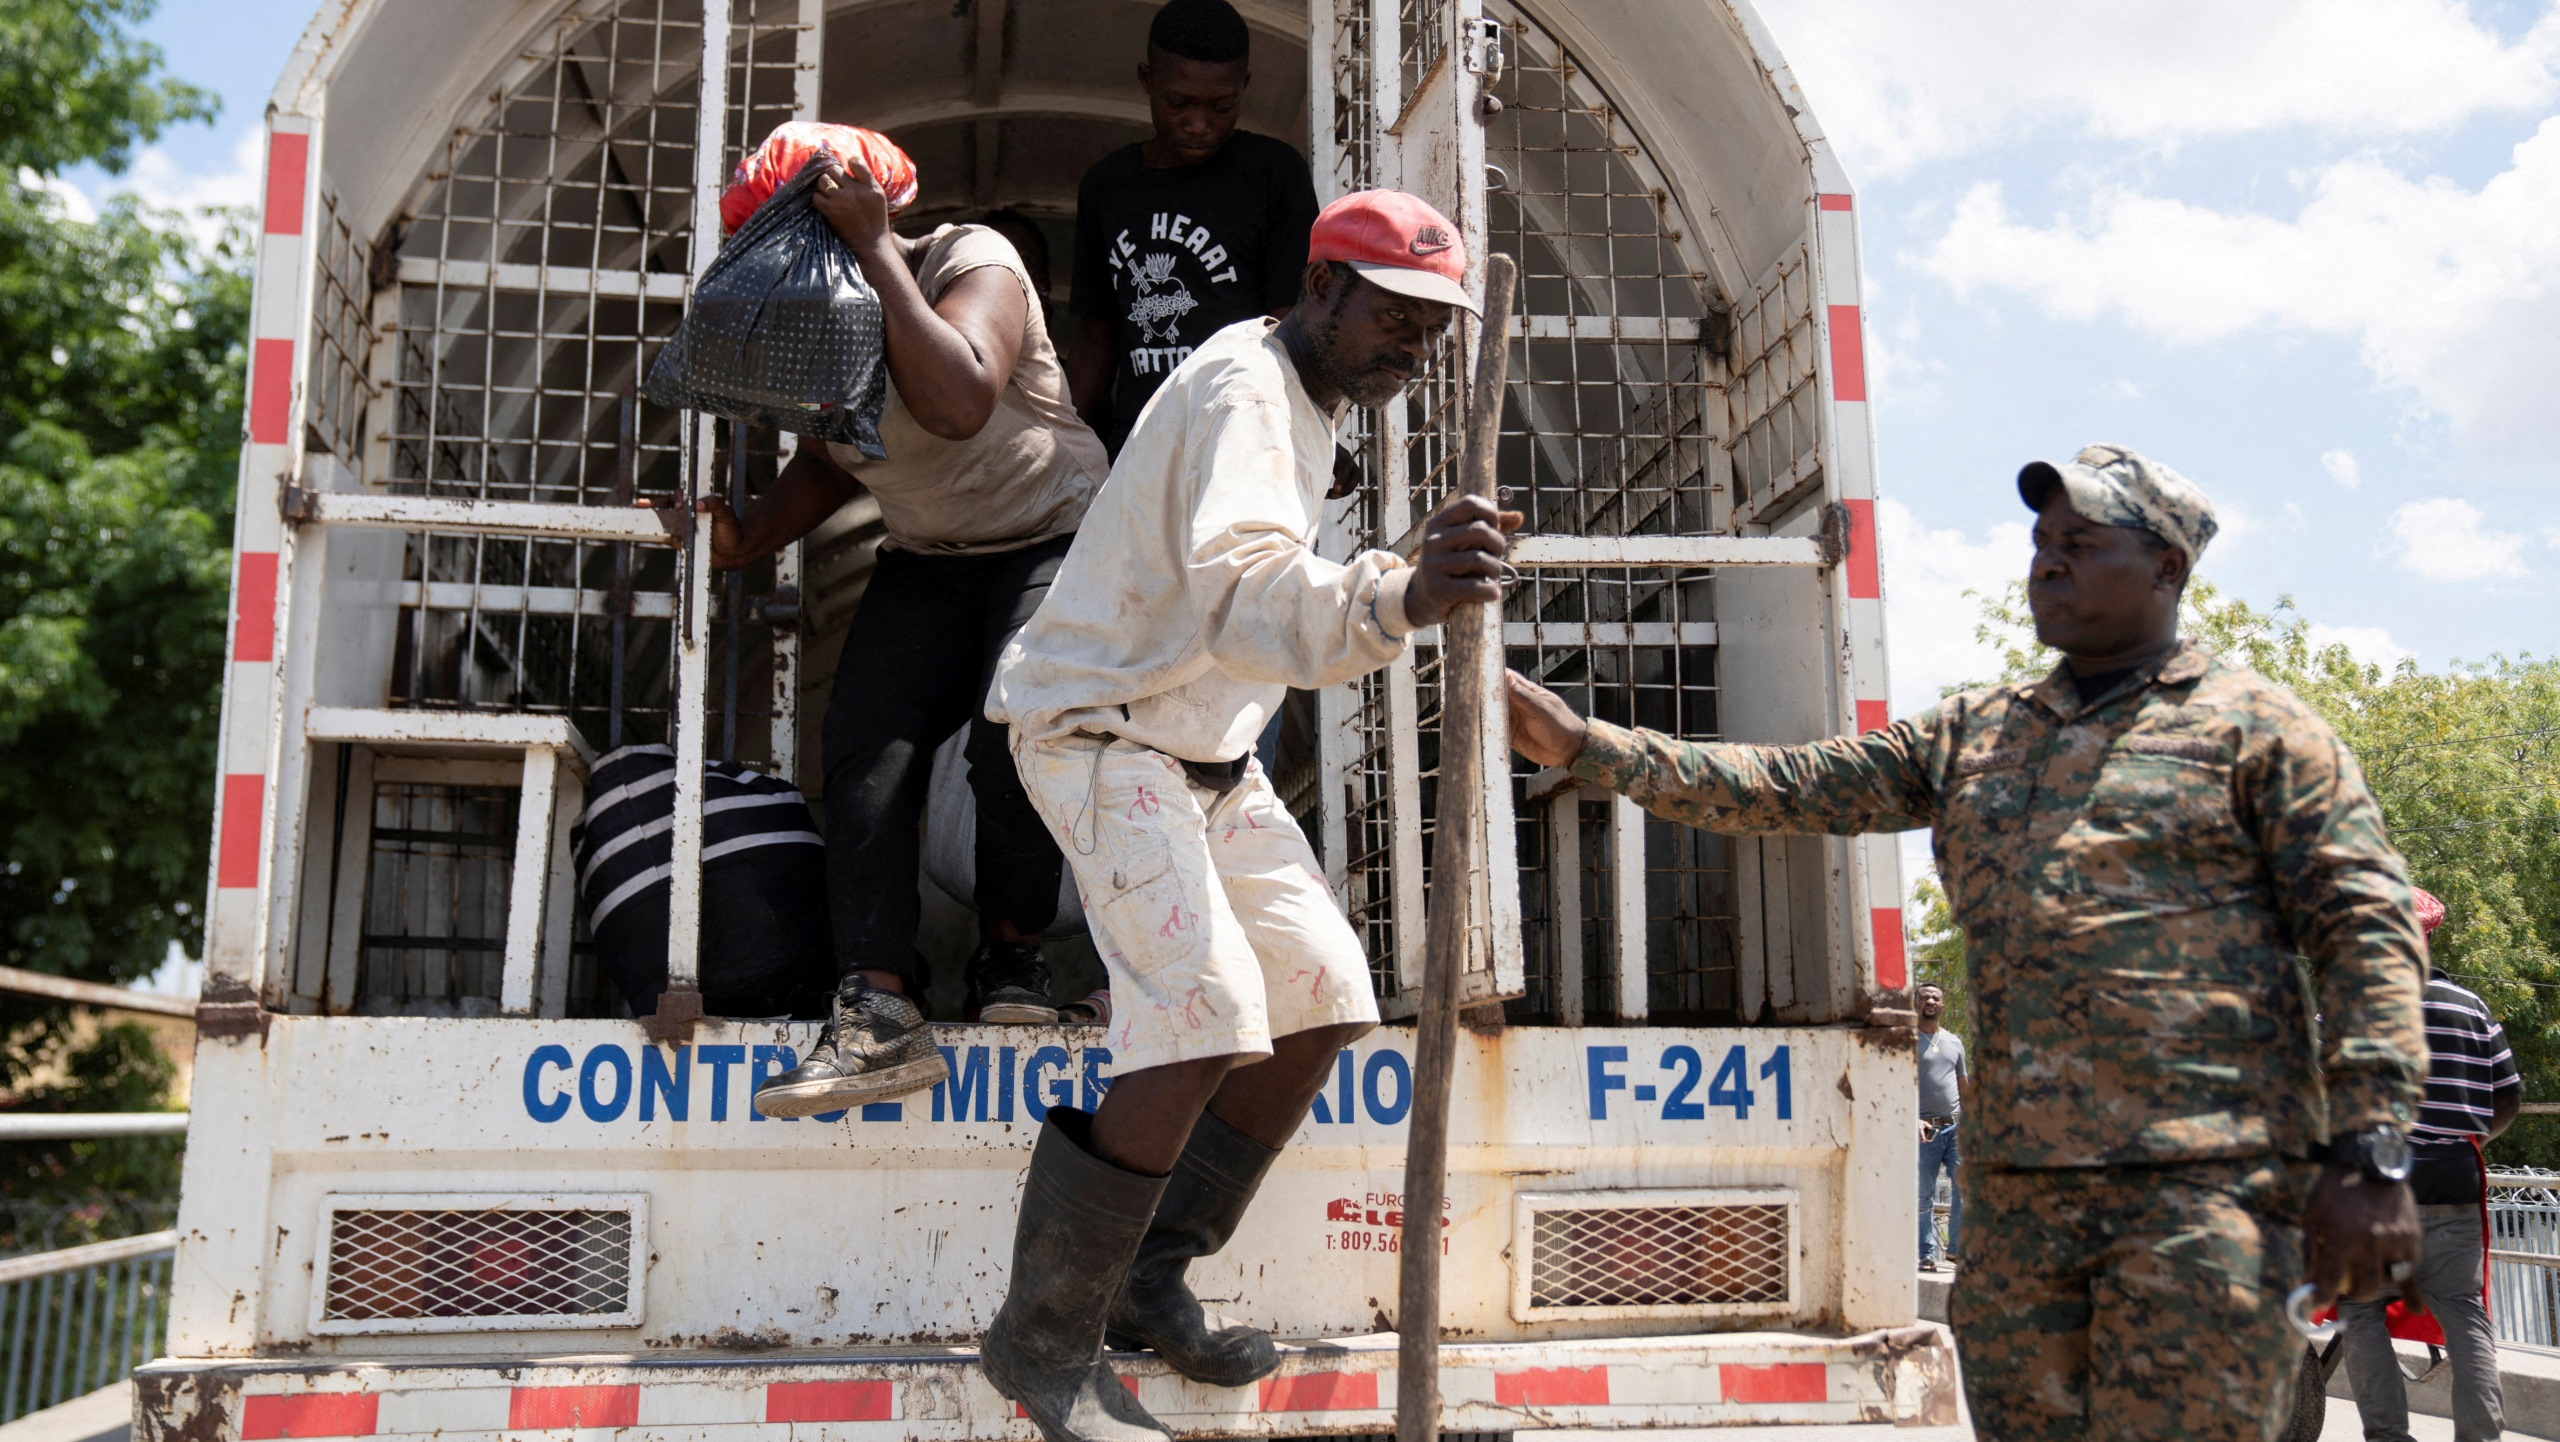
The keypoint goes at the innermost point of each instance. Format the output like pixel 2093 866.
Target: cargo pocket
pixel 1143 907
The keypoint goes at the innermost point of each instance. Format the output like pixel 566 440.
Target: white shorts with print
pixel 1210 911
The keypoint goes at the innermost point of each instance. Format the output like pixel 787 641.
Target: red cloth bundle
pixel 791 145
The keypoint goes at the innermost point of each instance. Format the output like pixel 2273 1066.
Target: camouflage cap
pixel 2115 487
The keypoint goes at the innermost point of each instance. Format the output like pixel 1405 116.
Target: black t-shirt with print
pixel 1172 257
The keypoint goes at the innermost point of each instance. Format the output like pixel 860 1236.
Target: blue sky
pixel 2303 250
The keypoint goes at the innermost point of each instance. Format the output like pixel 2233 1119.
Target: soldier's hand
pixel 2361 1236
pixel 1461 560
pixel 1543 728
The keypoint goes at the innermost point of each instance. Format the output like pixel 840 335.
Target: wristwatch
pixel 2381 1153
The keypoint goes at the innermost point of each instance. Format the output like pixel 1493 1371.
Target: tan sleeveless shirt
pixel 1025 477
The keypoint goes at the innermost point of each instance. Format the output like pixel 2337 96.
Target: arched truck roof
pixel 1702 82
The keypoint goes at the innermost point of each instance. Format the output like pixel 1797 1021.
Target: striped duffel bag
pixel 765 947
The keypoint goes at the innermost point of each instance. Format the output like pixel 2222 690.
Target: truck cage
pixel 477 227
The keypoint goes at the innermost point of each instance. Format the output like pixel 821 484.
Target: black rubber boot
pixel 1220 1170
pixel 1082 1220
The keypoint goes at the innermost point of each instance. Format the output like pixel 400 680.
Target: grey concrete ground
pixel 105 1415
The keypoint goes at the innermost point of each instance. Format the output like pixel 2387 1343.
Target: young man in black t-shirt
pixel 1187 232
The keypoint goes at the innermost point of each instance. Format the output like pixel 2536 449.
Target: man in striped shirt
pixel 2473 1093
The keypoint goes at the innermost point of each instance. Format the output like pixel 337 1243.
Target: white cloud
pixel 2370 644
pixel 1929 621
pixel 1898 368
pixel 2445 290
pixel 2342 467
pixel 75 201
pixel 158 179
pixel 2444 540
pixel 1897 84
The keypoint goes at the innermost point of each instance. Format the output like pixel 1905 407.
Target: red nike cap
pixel 1398 242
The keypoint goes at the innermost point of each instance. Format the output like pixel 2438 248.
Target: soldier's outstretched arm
pixel 1882 781
pixel 2344 894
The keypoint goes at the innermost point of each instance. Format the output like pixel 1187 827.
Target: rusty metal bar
pixel 626 475
pixel 85 1126
pixel 734 592
pixel 90 993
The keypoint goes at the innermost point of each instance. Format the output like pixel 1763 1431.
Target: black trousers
pixel 915 668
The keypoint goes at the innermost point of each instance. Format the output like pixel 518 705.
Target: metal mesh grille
pixel 767 79
pixel 1369 832
pixel 386 1265
pixel 1355 98
pixel 1776 408
pixel 1660 1256
pixel 1692 959
pixel 1613 394
pixel 1424 27
pixel 1563 955
pixel 435 902
pixel 1613 427
pixel 340 341
pixel 544 263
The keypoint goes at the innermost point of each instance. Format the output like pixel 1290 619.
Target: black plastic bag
pixel 783 330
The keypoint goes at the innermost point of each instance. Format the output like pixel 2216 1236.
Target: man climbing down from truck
pixel 1187 232
pixel 2138 846
pixel 1192 599
pixel 988 473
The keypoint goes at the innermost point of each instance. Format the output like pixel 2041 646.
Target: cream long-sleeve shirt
pixel 1193 597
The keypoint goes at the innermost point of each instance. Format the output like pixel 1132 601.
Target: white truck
pixel 438 1181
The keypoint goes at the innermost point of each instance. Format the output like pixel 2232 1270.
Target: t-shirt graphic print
pixel 1158 298
pixel 1172 257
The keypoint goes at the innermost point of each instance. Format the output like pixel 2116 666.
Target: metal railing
pixel 2524 1255
pixel 77 1319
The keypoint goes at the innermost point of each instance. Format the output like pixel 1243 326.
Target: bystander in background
pixel 1941 1107
pixel 2473 1094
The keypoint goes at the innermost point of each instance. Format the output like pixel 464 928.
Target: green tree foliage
pixel 1937 947
pixel 76 86
pixel 2466 765
pixel 120 397
pixel 121 362
pixel 63 1193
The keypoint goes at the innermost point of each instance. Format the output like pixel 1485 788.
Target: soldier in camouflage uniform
pixel 2138 846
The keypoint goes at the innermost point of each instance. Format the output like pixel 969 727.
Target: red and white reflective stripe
pixel 253 607
pixel 545 1407
pixel 259 569
pixel 867 1401
pixel 1321 1392
pixel 1893 964
pixel 1668 1385
pixel 1860 595
pixel 313 1414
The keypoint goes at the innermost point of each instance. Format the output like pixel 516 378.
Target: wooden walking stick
pixel 1470 653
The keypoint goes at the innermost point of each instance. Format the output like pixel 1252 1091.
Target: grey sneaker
pixel 1008 985
pixel 875 1045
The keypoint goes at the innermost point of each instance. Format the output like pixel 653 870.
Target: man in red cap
pixel 2473 1093
pixel 1192 600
